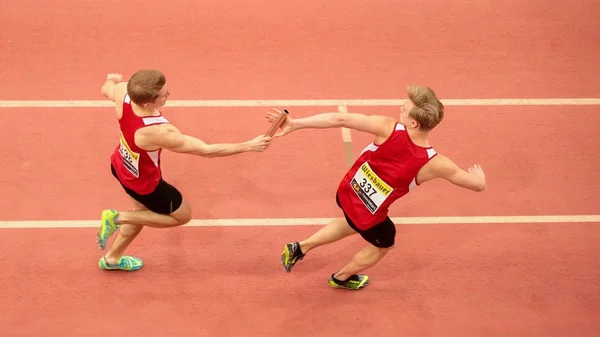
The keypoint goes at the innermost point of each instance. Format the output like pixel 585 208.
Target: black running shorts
pixel 382 235
pixel 165 199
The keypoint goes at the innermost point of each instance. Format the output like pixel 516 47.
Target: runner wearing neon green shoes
pixel 135 163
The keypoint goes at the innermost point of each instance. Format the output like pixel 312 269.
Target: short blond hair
pixel 428 110
pixel 143 87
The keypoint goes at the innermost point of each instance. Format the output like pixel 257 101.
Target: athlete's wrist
pixel 246 146
pixel 294 125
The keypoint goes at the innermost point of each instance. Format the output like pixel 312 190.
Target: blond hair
pixel 428 110
pixel 143 87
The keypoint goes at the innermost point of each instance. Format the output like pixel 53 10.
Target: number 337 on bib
pixel 370 188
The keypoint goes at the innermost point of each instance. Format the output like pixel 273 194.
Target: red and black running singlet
pixel 381 174
pixel 136 168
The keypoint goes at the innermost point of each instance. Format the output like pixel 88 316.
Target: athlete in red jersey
pixel 136 168
pixel 135 163
pixel 382 174
pixel 399 159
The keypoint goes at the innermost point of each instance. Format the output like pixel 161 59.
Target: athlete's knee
pixel 382 243
pixel 385 250
pixel 184 219
pixel 183 214
pixel 381 252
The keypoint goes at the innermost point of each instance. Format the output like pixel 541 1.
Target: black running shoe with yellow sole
pixel 291 254
pixel 354 282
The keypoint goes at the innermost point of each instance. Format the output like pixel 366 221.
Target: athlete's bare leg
pixel 335 230
pixel 363 260
pixel 125 236
pixel 348 277
pixel 148 218
pixel 128 231
pixel 112 220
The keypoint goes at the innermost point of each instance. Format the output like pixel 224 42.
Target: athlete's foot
pixel 354 282
pixel 291 254
pixel 126 263
pixel 108 227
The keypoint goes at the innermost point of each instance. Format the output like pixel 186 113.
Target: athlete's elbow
pixel 480 187
pixel 341 120
pixel 103 92
pixel 107 91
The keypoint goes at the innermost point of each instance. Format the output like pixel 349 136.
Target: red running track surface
pixel 529 280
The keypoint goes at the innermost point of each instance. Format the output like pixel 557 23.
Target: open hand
pixel 285 128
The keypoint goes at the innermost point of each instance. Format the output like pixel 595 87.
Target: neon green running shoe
pixel 290 255
pixel 127 263
pixel 354 282
pixel 107 227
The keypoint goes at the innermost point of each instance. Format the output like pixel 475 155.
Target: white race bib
pixel 130 159
pixel 370 188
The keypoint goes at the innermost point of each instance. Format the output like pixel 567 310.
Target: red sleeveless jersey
pixel 137 169
pixel 381 174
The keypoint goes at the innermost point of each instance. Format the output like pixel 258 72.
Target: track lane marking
pixel 301 102
pixel 266 222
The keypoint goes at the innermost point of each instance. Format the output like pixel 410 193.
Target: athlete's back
pixel 382 174
pixel 136 168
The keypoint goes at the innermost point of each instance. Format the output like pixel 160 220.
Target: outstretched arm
pixel 169 137
pixel 442 167
pixel 380 126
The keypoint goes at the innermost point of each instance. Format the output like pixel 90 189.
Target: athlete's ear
pixel 414 124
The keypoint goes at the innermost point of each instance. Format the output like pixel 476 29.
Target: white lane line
pixel 321 221
pixel 302 102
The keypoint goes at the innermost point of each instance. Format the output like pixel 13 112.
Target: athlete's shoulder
pixel 384 127
pixel 158 130
pixel 156 136
pixel 440 162
pixel 439 166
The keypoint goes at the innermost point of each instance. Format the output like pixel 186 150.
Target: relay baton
pixel 277 123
